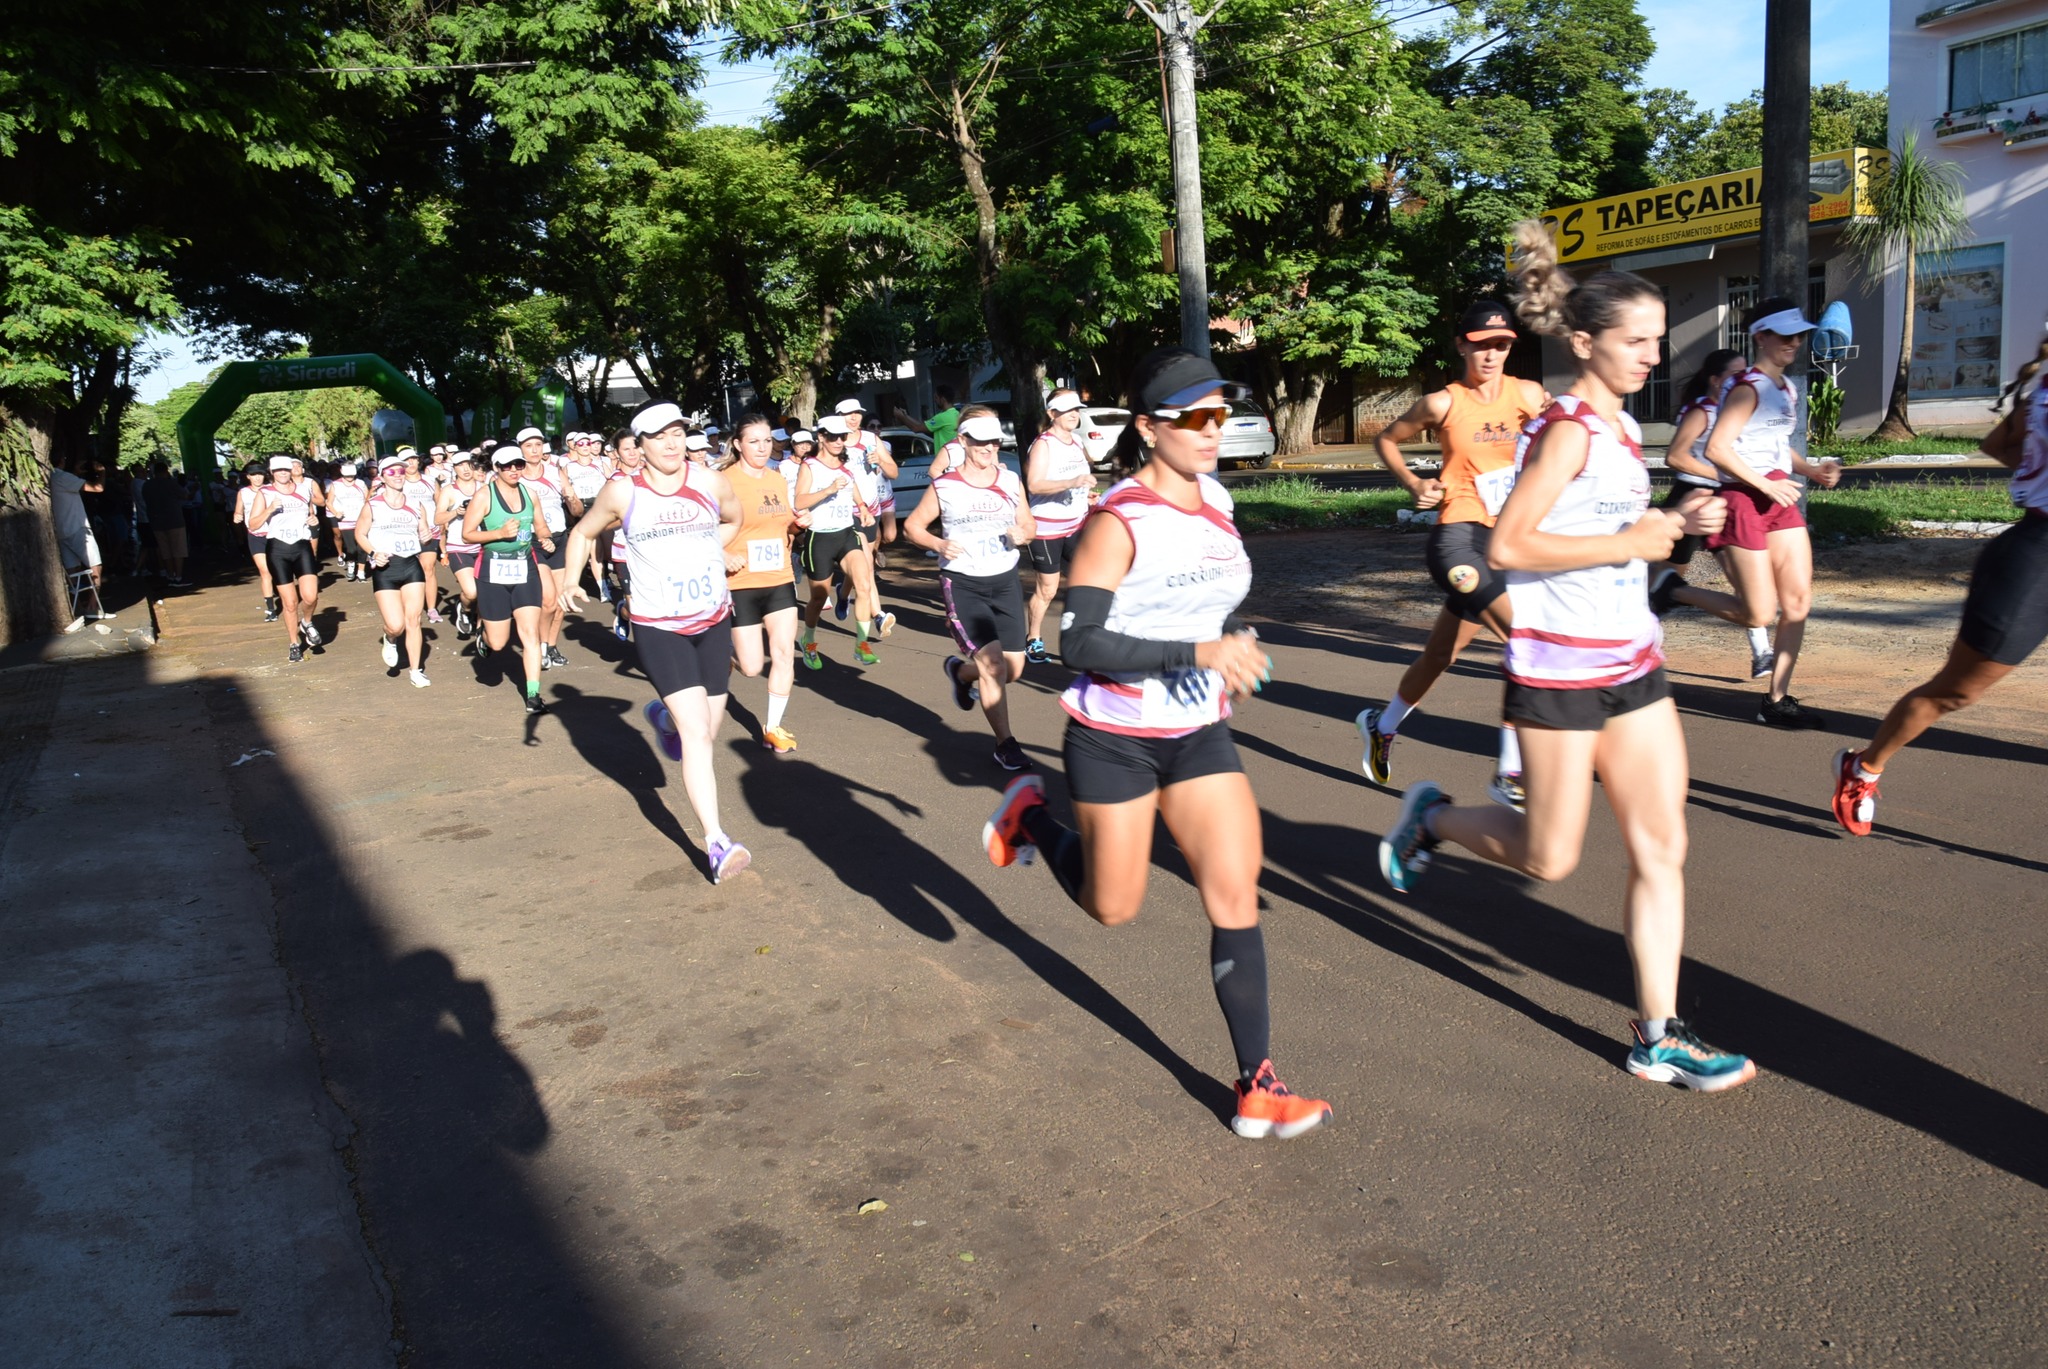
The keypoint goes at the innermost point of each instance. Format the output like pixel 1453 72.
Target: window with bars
pixel 1998 70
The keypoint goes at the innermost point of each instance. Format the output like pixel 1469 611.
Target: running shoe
pixel 1405 850
pixel 811 659
pixel 1267 1107
pixel 885 624
pixel 604 590
pixel 388 649
pixel 464 624
pixel 665 728
pixel 839 604
pixel 1680 1057
pixel 555 654
pixel 272 610
pixel 1662 588
pixel 1011 756
pixel 419 679
pixel 309 634
pixel 1003 834
pixel 1787 713
pixel 622 627
pixel 535 706
pixel 1855 798
pixel 434 616
pixel 865 654
pixel 1507 791
pixel 547 662
pixel 779 740
pixel 296 654
pixel 1379 748
pixel 1760 663
pixel 728 858
pixel 1034 652
pixel 963 694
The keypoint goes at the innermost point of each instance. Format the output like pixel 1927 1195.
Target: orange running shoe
pixel 778 739
pixel 1855 797
pixel 1003 834
pixel 1265 1107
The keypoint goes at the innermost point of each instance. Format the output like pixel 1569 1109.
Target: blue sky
pixel 1711 49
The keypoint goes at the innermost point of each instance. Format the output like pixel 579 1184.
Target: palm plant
pixel 1916 206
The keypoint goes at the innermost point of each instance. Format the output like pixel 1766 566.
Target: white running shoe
pixel 419 679
pixel 389 651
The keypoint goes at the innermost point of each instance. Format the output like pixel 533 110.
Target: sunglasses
pixel 519 464
pixel 1192 420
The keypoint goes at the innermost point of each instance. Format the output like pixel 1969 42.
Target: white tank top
pixel 1059 515
pixel 394 532
pixel 458 506
pixel 674 556
pixel 586 480
pixel 1188 573
pixel 867 476
pixel 1583 629
pixel 1765 442
pixel 979 518
pixel 1698 451
pixel 288 522
pixel 245 505
pixel 2030 477
pixel 345 499
pixel 545 488
pixel 835 514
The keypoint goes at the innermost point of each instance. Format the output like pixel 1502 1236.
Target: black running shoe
pixel 1787 713
pixel 1011 756
pixel 534 706
pixel 555 654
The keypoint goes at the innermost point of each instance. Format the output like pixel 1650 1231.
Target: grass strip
pixel 1884 509
pixel 1296 501
pixel 1854 452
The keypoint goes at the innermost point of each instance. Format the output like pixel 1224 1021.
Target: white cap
pixel 390 462
pixel 1785 323
pixel 582 439
pixel 504 456
pixel 437 450
pixel 348 468
pixel 407 451
pixel 832 425
pixel 802 435
pixel 1065 403
pixel 281 463
pixel 527 435
pixel 655 417
pixel 848 406
pixel 982 428
pixel 697 442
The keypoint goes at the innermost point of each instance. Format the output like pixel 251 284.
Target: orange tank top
pixel 1478 442
pixel 763 537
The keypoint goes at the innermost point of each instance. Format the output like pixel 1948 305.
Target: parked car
pixel 1100 428
pixel 913 453
pixel 1247 435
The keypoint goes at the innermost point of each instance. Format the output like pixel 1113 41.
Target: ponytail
pixel 1547 299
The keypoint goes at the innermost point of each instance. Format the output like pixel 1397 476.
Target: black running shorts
pixel 1052 555
pixel 1581 710
pixel 463 560
pixel 495 602
pixel 1682 551
pixel 751 607
pixel 675 662
pixel 290 560
pixel 821 552
pixel 984 608
pixel 260 546
pixel 558 559
pixel 1108 767
pixel 399 571
pixel 1456 557
pixel 2005 615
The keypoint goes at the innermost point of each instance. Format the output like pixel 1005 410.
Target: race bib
pixel 405 542
pixel 1493 487
pixel 1180 699
pixel 766 553
pixel 510 570
pixel 586 485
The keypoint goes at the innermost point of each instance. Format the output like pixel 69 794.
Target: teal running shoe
pixel 1405 849
pixel 1680 1057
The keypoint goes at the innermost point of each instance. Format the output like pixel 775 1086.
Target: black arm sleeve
pixel 1085 644
pixel 1233 623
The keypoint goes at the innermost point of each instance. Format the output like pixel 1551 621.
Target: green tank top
pixel 497 516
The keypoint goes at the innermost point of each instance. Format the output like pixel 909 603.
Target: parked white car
pixel 1100 428
pixel 1247 435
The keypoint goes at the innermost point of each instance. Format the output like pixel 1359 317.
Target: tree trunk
pixel 1295 391
pixel 33 601
pixel 1898 424
pixel 804 403
pixel 1026 370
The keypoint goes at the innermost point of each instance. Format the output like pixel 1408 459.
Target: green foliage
pixel 145 437
pixel 1856 451
pixel 1888 508
pixel 65 300
pixel 1693 143
pixel 1298 501
pixel 1824 410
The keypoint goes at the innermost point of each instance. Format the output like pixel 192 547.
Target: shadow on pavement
pixel 600 729
pixel 443 1111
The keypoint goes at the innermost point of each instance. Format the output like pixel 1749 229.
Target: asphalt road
pixel 609 1114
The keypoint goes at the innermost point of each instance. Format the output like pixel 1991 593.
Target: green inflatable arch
pixel 240 379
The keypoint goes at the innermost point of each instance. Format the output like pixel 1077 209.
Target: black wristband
pixel 1085 644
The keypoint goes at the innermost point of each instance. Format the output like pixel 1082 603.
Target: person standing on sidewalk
pixel 164 500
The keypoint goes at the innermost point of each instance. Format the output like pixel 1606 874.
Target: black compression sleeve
pixel 1085 644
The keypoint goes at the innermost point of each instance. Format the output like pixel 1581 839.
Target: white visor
pixel 1785 323
pixel 280 463
pixel 802 435
pixel 832 425
pixel 529 434
pixel 1064 404
pixel 982 428
pixel 848 406
pixel 697 442
pixel 348 468
pixel 655 417
pixel 407 451
pixel 505 456
pixel 391 463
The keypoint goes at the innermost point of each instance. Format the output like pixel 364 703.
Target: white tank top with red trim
pixel 1698 451
pixel 979 518
pixel 837 513
pixel 2030 477
pixel 345 498
pixel 1585 629
pixel 458 507
pixel 1059 515
pixel 1765 442
pixel 674 556
pixel 394 531
pixel 1189 572
pixel 289 520
pixel 548 490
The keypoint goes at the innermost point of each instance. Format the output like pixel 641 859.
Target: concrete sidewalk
pixel 172 1181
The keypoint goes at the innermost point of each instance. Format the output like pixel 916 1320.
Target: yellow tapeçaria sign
pixel 1838 187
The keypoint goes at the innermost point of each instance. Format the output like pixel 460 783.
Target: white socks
pixel 777 704
pixel 1759 640
pixel 1390 717
pixel 1510 751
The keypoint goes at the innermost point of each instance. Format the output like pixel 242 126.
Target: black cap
pixel 1485 320
pixel 1173 376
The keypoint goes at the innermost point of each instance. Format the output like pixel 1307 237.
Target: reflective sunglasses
pixel 1193 420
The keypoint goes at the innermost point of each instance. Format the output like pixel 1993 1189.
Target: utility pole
pixel 1178 25
pixel 1788 132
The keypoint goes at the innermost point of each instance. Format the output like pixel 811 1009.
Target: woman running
pixel 512 592
pixel 247 500
pixel 872 464
pixel 345 496
pixel 392 529
pixel 831 542
pixel 584 470
pixel 1062 487
pixel 1150 601
pixel 552 494
pixel 760 570
pixel 450 507
pixel 422 491
pixel 987 517
pixel 1767 551
pixel 677 518
pixel 286 514
pixel 1584 661
pixel 2005 615
pixel 1477 420
pixel 626 464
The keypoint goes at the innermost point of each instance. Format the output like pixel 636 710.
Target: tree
pixel 1916 205
pixel 1695 143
